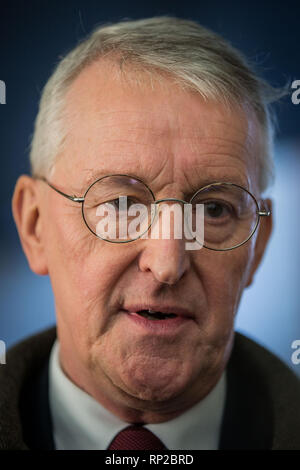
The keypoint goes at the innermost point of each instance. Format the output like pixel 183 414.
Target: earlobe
pixel 27 215
pixel 264 233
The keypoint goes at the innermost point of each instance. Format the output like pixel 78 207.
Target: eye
pixel 120 205
pixel 217 210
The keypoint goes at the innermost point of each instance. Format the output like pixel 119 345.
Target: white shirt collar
pixel 81 423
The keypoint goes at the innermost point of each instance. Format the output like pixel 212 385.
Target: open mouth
pixel 154 315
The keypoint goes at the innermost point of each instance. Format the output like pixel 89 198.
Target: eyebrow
pixel 226 179
pixel 96 175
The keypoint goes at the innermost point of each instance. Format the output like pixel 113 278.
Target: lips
pixel 154 315
pixel 159 312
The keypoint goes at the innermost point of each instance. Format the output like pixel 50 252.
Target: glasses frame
pixel 81 199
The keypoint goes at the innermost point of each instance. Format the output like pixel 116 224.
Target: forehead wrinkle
pixel 131 142
pixel 186 189
pixel 167 174
pixel 206 157
pixel 145 134
pixel 194 143
pixel 222 142
pixel 213 173
pixel 142 129
pixel 161 124
pixel 159 118
pixel 163 120
pixel 168 158
pixel 199 134
pixel 181 131
pixel 166 165
pixel 144 170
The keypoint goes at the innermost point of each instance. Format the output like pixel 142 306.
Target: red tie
pixel 136 437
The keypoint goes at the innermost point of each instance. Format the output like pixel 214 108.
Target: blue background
pixel 33 34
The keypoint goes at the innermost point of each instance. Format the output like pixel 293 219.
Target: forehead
pixel 154 129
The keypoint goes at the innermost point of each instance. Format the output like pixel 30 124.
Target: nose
pixel 165 257
pixel 167 260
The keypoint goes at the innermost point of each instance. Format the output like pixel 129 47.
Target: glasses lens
pixel 230 215
pixel 118 208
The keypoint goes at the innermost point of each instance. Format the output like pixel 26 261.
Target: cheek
pixel 72 254
pixel 224 278
pixel 84 271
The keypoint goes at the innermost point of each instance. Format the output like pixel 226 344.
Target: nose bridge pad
pixel 155 222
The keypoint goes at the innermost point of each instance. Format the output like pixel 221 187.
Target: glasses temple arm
pixel 72 198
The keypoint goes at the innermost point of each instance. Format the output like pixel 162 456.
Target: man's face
pixel 176 143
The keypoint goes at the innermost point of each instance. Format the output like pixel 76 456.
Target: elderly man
pixel 148 114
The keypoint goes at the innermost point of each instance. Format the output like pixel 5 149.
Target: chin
pixel 156 384
pixel 154 393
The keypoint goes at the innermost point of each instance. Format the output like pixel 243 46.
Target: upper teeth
pixel 151 311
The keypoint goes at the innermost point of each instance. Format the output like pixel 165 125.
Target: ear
pixel 26 207
pixel 264 233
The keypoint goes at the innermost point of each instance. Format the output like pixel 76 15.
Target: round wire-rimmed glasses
pixel 231 213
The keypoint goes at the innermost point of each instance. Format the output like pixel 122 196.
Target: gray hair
pixel 197 58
